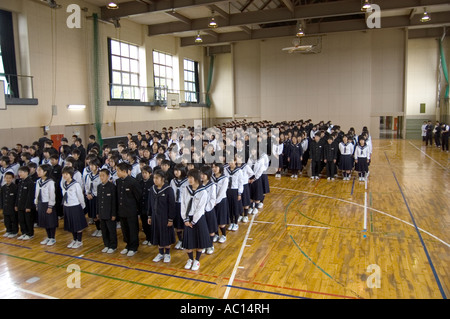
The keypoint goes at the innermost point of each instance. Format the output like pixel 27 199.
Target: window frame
pixel 161 69
pixel 191 81
pixel 132 74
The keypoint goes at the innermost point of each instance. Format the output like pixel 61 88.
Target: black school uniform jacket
pixel 161 204
pixel 146 187
pixel 25 194
pixel 316 151
pixel 8 198
pixel 128 196
pixel 330 152
pixel 106 200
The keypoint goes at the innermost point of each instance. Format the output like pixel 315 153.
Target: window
pixel 162 74
pixel 191 82
pixel 124 70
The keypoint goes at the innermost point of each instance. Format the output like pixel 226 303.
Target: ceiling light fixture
pixel 212 22
pixel 366 6
pixel 425 17
pixel 112 6
pixel 300 32
pixel 76 106
pixel 198 39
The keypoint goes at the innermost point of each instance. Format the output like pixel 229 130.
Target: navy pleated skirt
pixel 197 237
pixel 178 222
pixel 74 219
pixel 246 196
pixel 222 212
pixel 46 220
pixel 346 163
pixel 211 220
pixel 256 190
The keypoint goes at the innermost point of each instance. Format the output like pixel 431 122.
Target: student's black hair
pixel 195 173
pixel 68 170
pixel 160 173
pixel 5 159
pixel 54 156
pixel 24 169
pixel 147 169
pixel 106 171
pixel 123 166
pixel 47 169
pixel 220 166
pixel 180 167
pixel 32 165
pixel 9 173
pixel 207 170
pixel 95 162
pixel 165 162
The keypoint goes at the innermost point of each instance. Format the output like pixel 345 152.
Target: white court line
pixel 35 293
pixel 236 265
pixel 445 168
pixel 373 209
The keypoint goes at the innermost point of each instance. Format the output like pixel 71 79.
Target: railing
pixel 18 86
pixel 155 95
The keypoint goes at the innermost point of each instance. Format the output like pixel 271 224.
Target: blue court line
pixel 15 245
pixel 266 292
pixel 353 185
pixel 433 269
pixel 131 268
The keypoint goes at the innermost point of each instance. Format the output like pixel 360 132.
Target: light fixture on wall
pixel 76 106
pixel 198 39
pixel 112 6
pixel 212 23
pixel 366 6
pixel 425 17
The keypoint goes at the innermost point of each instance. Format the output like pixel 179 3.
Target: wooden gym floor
pixel 307 242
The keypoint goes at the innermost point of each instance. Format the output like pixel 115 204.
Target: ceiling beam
pixel 132 8
pixel 439 18
pixel 289 5
pixel 310 11
pixel 179 17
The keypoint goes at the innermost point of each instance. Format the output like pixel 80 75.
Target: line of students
pixel 325 150
pixel 196 204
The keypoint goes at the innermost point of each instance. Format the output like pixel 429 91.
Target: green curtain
pixel 210 77
pixel 96 84
pixel 444 68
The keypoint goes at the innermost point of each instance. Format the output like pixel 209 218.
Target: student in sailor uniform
pixel 196 234
pixel 92 181
pixel 444 136
pixel 128 196
pixel 346 159
pixel 234 192
pixel 134 162
pixel 210 213
pixel 107 211
pixel 45 201
pixel 264 178
pixel 161 214
pixel 178 183
pixel 73 201
pixel 5 167
pixel 24 203
pixel 305 145
pixel 113 161
pixel 362 157
pixel 278 154
pixel 256 163
pixel 295 154
pixel 71 162
pixel 8 195
pixel 146 182
pixel 247 173
pixel 222 209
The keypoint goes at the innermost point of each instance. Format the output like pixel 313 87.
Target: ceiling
pixel 240 20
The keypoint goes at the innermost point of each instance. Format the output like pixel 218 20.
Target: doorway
pixel 391 127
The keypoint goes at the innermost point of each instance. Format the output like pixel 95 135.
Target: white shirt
pixel 346 149
pixel 211 189
pixel 47 190
pixel 74 194
pixel 236 179
pixel 221 187
pixel 178 185
pixel 199 200
pixel 362 151
pixel 247 172
pixel 135 169
pixel 92 182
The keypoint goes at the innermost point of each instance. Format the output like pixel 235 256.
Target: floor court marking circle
pixel 362 206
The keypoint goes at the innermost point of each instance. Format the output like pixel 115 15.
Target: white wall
pixel 357 76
